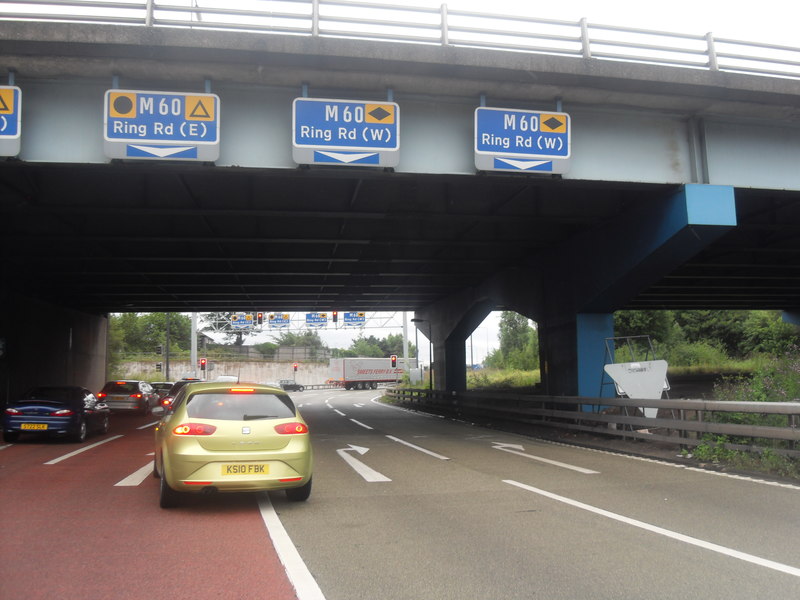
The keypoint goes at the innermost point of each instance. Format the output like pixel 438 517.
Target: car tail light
pixel 242 390
pixel 64 412
pixel 101 395
pixel 166 400
pixel 194 429
pixel 291 428
pixel 13 411
pixel 135 396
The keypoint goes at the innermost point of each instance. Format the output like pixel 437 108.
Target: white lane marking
pixel 515 449
pixel 361 424
pixel 5 446
pixel 368 473
pixel 408 410
pixel 84 449
pixel 756 560
pixel 136 477
pixel 410 445
pixel 153 424
pixel 358 405
pixel 338 412
pixel 300 577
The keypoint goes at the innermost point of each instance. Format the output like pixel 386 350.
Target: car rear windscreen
pixel 239 406
pixel 126 387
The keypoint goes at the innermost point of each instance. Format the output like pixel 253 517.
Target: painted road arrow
pixel 368 473
pixel 517 449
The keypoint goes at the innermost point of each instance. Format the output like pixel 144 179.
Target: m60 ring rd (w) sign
pixel 161 125
pixel 345 132
pixel 521 140
pixel 10 119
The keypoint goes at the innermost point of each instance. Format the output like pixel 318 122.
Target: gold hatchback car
pixel 227 437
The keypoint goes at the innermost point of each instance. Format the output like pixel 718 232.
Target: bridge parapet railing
pixel 681 422
pixel 413 24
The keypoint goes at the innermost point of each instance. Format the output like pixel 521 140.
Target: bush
pixel 690 354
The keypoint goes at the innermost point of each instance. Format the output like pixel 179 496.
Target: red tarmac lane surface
pixel 66 531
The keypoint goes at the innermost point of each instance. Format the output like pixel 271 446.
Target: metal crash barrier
pixel 681 422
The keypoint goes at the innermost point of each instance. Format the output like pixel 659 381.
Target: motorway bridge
pixel 158 164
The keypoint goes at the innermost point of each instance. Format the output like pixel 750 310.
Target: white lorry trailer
pixel 364 373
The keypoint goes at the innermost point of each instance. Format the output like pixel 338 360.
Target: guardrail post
pixel 148 18
pixel 445 33
pixel 585 43
pixel 712 52
pixel 315 18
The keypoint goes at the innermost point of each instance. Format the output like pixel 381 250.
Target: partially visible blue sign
pixel 161 125
pixel 10 120
pixel 521 140
pixel 345 132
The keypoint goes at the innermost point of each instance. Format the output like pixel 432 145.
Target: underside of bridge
pixel 153 238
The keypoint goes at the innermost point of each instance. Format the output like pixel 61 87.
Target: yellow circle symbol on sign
pixel 122 105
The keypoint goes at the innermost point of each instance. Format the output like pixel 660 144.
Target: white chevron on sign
pixel 523 164
pixel 161 151
pixel 346 157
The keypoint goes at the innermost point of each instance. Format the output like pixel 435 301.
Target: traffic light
pixel 158 366
pixel 203 363
pixel 294 366
pixel 260 318
pixel 394 360
pixel 336 316
pixel 159 349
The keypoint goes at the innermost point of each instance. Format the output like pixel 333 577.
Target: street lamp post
pixel 430 350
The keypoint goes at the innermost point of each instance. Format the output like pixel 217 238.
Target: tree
pixel 142 332
pixel 519 344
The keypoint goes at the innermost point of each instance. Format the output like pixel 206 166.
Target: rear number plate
pixel 33 426
pixel 245 469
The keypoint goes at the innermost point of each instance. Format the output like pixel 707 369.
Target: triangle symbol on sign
pixel 200 111
pixel 3 106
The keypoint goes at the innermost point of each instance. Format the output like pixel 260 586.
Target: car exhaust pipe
pixel 209 489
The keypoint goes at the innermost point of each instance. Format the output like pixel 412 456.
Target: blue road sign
pixel 355 318
pixel 279 321
pixel 521 140
pixel 345 132
pixel 316 319
pixel 161 125
pixel 10 120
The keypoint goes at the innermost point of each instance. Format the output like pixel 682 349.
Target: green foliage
pixel 137 332
pixel 304 339
pixel 690 354
pixel 519 344
pixel 502 379
pixel 658 324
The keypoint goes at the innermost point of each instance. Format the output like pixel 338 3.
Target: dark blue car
pixel 65 410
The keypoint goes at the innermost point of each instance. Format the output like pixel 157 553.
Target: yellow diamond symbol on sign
pixel 6 101
pixel 379 113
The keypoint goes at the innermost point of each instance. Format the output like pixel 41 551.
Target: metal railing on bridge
pixel 680 422
pixel 441 26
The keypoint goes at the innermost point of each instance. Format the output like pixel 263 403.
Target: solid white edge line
pixel 136 477
pixel 89 447
pixel 756 560
pixel 410 445
pixel 296 570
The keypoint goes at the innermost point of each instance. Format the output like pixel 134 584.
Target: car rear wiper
pixel 251 417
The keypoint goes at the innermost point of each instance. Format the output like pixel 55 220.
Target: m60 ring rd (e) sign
pixel 521 140
pixel 345 132
pixel 10 119
pixel 161 125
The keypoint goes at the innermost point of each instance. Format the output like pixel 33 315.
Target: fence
pixel 681 422
pixel 440 26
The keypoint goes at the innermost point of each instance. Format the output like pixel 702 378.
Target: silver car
pixel 138 396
